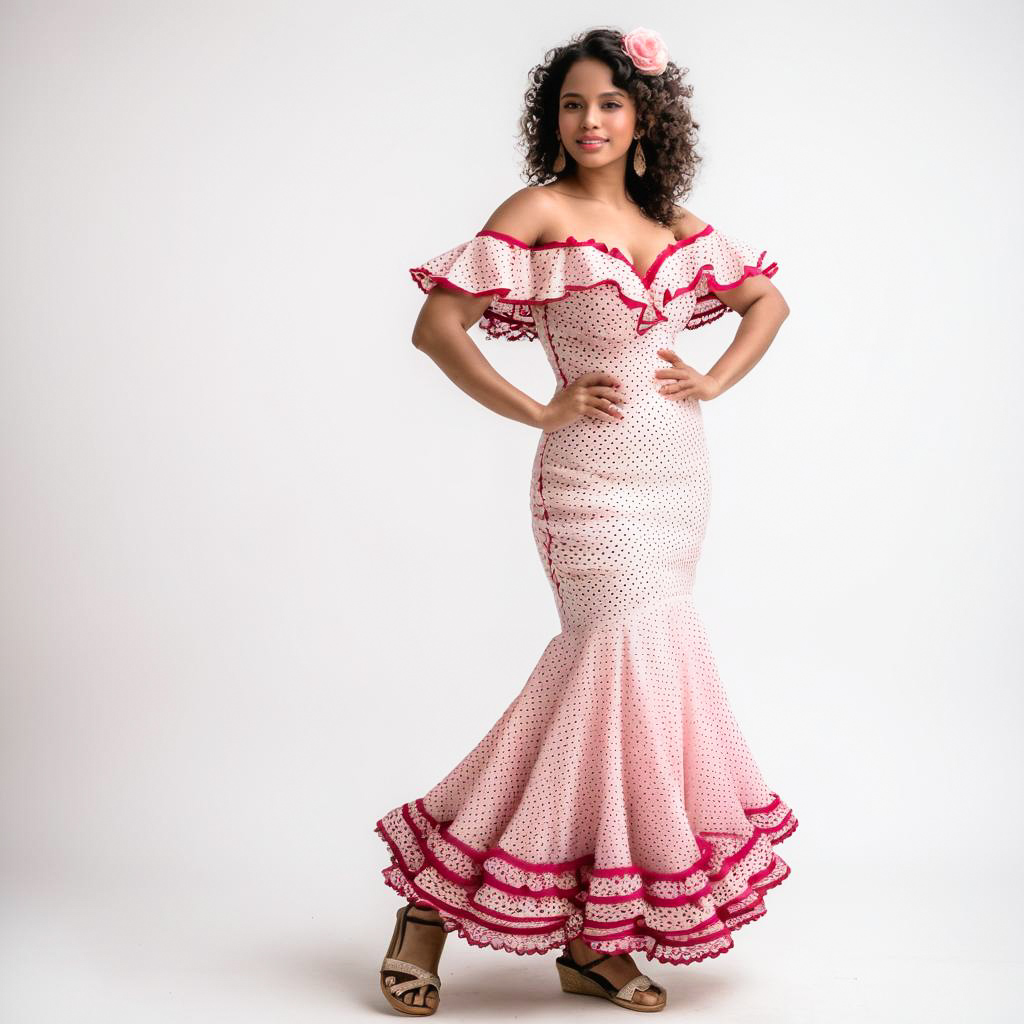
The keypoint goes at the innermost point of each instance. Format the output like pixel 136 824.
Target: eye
pixel 573 103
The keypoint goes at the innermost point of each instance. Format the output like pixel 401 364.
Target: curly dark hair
pixel 669 133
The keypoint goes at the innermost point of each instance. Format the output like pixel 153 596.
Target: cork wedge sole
pixel 579 979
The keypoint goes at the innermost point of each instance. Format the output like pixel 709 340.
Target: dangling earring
pixel 559 165
pixel 639 161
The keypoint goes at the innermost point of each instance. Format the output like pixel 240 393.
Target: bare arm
pixel 763 310
pixel 440 328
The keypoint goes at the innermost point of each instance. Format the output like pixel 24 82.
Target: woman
pixel 614 807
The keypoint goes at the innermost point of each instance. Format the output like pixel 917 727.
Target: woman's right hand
pixel 593 394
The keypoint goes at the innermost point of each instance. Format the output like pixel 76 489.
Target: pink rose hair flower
pixel 647 50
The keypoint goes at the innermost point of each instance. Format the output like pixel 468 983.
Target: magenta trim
pixel 655 901
pixel 714 307
pixel 662 937
pixel 472 883
pixel 438 904
pixel 628 869
pixel 525 890
pixel 516 326
pixel 455 917
pixel 509 917
pixel 643 325
pixel 395 851
pixel 422 808
pixel 547 532
pixel 646 279
pixel 470 851
pixel 551 346
pixel 765 809
pixel 569 893
pixel 708 307
pixel 711 919
pixel 566 893
pixel 703 847
pixel 631 935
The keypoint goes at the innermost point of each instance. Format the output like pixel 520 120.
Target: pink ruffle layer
pixel 521 276
pixel 492 898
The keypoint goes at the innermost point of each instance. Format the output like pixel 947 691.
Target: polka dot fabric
pixel 524 279
pixel 615 799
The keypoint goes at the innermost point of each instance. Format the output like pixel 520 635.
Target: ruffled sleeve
pixel 716 262
pixel 488 265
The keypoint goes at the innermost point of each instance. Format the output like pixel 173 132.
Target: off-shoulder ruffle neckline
pixel 646 279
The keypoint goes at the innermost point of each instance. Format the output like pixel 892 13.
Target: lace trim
pixel 510 328
pixel 492 898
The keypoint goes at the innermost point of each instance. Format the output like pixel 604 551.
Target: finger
pixel 598 377
pixel 597 407
pixel 609 393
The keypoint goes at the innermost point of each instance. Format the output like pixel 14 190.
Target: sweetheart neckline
pixel 647 279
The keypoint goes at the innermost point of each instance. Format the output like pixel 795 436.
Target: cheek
pixel 621 123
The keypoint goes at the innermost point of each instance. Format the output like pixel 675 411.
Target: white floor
pixel 174 947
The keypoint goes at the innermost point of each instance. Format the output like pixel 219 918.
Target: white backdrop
pixel 266 573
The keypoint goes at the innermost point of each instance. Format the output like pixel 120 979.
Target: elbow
pixel 781 307
pixel 420 334
pixel 423 339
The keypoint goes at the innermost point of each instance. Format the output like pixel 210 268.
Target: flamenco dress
pixel 615 799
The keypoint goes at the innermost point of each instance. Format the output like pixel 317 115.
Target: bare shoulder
pixel 687 223
pixel 524 214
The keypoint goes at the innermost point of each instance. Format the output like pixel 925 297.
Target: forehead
pixel 589 77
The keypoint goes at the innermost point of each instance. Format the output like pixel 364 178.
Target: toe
pixel 651 995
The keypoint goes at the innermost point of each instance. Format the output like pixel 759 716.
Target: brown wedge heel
pixel 579 979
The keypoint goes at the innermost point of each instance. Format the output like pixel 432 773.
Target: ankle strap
pixel 419 920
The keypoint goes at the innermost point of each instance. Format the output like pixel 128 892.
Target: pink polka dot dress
pixel 615 799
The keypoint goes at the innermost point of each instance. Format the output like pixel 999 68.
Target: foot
pixel 617 969
pixel 421 945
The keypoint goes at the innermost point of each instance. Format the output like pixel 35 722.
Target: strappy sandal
pixel 579 979
pixel 407 975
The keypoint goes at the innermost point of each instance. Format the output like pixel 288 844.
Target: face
pixel 592 105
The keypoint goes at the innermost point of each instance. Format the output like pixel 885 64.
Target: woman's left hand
pixel 683 381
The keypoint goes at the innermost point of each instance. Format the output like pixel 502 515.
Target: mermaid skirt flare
pixel 615 799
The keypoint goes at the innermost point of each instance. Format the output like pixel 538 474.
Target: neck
pixel 604 185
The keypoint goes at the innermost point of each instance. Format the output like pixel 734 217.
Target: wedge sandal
pixel 579 979
pixel 407 975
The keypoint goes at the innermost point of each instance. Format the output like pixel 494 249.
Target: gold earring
pixel 639 160
pixel 559 165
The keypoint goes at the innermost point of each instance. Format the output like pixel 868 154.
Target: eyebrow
pixel 614 92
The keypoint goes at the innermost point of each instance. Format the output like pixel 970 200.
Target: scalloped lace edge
pixel 748 907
